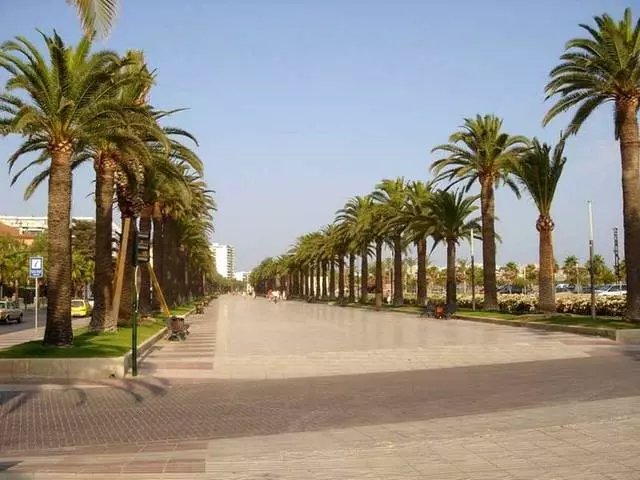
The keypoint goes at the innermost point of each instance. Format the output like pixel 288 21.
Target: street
pixel 28 322
pixel 301 391
pixel 13 333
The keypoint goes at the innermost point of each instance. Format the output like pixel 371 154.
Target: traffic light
pixel 141 248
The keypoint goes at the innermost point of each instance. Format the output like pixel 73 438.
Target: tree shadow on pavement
pixel 16 397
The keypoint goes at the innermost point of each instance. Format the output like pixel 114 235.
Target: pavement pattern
pixel 299 391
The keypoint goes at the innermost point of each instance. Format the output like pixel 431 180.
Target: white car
pixel 10 312
pixel 612 290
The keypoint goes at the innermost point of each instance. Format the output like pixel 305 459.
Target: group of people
pixel 275 295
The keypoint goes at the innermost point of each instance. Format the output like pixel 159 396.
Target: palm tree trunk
pixel 421 246
pixel 546 284
pixel 352 278
pixel 341 279
pixel 158 256
pixel 58 331
pixel 144 305
pixel 487 208
pixel 324 279
pixel 378 274
pixel 319 279
pixel 101 317
pixel 627 113
pixel 398 294
pixel 312 291
pixel 364 277
pixel 126 296
pixel 451 274
pixel 332 280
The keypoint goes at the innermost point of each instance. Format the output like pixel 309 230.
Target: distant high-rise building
pixel 241 276
pixel 225 259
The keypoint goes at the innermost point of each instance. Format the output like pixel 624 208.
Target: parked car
pixel 10 312
pixel 613 290
pixel 80 308
pixel 565 288
pixel 510 289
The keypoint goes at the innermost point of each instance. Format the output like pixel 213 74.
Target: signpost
pixel 36 271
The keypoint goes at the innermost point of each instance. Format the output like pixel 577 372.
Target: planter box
pixel 74 368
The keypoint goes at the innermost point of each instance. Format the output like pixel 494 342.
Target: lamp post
pixel 591 272
pixel 473 275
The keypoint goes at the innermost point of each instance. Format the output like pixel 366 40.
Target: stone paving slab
pixel 574 441
pixel 359 395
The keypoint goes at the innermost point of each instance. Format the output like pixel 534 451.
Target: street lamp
pixel 473 275
pixel 591 271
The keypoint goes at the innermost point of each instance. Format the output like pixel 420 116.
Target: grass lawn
pixel 85 344
pixel 587 321
pixel 482 314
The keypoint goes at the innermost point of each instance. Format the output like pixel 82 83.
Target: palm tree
pixel 374 221
pixel 539 170
pixel 418 218
pixel 601 68
pixel 570 269
pixel 482 152
pixel 392 196
pixel 451 211
pixel 67 104
pixel 354 215
pixel 96 15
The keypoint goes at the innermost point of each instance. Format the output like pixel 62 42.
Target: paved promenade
pixel 298 391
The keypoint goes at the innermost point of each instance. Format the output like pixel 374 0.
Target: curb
pixel 592 331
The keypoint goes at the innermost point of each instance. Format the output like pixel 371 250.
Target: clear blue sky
pixel 300 105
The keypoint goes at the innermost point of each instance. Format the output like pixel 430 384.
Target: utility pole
pixel 591 271
pixel 473 275
pixel 616 254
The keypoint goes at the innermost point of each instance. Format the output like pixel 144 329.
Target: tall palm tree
pixel 451 211
pixel 605 67
pixel 482 152
pixel 419 220
pixel 392 196
pixel 375 222
pixel 539 170
pixel 354 215
pixel 66 105
pixel 96 15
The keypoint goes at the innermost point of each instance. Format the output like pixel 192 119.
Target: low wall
pixel 74 368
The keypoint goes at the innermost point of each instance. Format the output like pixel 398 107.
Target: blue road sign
pixel 36 267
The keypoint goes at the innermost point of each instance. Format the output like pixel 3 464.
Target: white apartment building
pixel 37 225
pixel 225 259
pixel 241 276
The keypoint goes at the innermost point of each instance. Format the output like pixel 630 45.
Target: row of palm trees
pixel 72 105
pixel 399 214
pixel 602 67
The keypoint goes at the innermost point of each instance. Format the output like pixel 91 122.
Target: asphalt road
pixel 27 322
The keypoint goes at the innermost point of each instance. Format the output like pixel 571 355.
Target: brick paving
pixel 357 395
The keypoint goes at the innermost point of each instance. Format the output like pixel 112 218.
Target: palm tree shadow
pixel 138 389
pixel 19 398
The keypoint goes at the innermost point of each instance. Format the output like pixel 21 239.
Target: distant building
pixel 225 259
pixel 241 276
pixel 12 232
pixel 35 225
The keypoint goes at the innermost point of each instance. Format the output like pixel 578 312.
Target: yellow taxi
pixel 80 308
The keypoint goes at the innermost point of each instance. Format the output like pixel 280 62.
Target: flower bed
pixel 565 303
